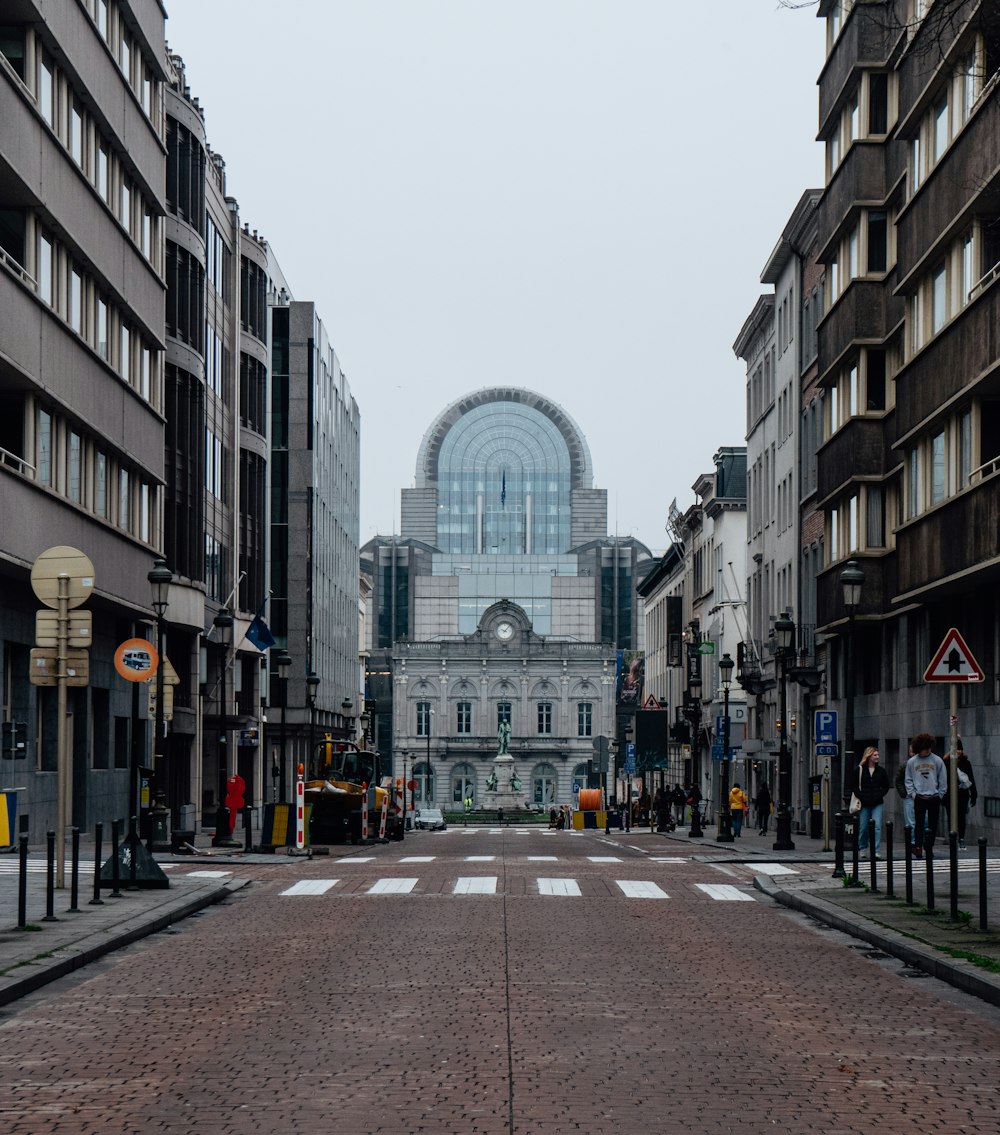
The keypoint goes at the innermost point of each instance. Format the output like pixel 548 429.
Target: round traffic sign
pixel 136 660
pixel 62 564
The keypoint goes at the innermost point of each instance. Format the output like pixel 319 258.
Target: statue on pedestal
pixel 491 781
pixel 503 739
pixel 515 781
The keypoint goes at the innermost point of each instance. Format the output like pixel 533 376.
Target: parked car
pixel 429 819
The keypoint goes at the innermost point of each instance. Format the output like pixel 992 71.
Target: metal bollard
pixel 115 875
pixel 982 883
pixel 871 854
pixel 953 874
pixel 50 878
pixel 929 855
pixel 22 882
pixel 889 893
pixel 908 837
pixel 74 880
pixel 98 833
pixel 248 829
pixel 855 852
pixel 838 845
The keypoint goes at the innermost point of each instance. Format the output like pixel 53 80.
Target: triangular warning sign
pixel 651 703
pixel 954 662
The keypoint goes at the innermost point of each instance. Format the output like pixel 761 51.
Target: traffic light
pixel 15 740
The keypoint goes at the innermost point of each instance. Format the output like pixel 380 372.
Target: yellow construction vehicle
pixel 341 776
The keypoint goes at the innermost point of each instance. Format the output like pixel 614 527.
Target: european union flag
pixel 260 634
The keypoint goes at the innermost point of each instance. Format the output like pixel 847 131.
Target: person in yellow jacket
pixel 737 808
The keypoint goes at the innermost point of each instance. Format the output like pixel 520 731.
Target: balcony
pixel 864 42
pixel 928 51
pixel 861 177
pixel 963 356
pixel 857 449
pixel 876 594
pixel 865 312
pixel 959 539
pixel 966 173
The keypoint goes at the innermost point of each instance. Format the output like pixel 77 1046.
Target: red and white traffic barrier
pixel 385 816
pixel 300 813
pixel 364 811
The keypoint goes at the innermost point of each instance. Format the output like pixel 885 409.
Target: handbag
pixel 855 805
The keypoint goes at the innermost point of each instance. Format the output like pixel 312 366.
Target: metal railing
pixel 18 463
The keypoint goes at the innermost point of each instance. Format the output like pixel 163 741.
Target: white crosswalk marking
pixel 206 874
pixel 480 858
pixel 356 859
pixel 640 889
pixel 543 858
pixel 603 859
pixel 10 867
pixel 667 859
pixel 566 887
pixel 475 885
pixel 723 892
pixel 418 859
pixel 772 869
pixel 392 887
pixel 311 887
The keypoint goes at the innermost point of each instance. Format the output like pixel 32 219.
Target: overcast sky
pixel 573 196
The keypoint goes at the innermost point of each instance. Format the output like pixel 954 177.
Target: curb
pixel 125 934
pixel 958 972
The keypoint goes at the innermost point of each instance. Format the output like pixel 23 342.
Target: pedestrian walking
pixel 967 792
pixel 679 800
pixel 926 785
pixel 737 808
pixel 871 783
pixel 763 803
pixel 568 817
pixel 694 800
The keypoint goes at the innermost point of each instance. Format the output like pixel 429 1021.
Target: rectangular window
pixel 75 459
pixel 144 512
pixel 874 379
pixel 833 275
pixel 45 289
pixel 423 718
pixel 144 357
pixel 834 535
pixel 147 93
pixel 916 173
pixel 76 301
pixel 854 119
pixel 875 516
pixel 877 242
pixel 834 410
pixel 852 524
pixel 917 320
pixel 147 234
pixel 940 128
pixel 124 501
pixel 101 485
pixel 126 206
pixel 125 57
pixel 938 480
pixel 914 496
pixel 852 391
pixel 852 254
pixel 44 457
pixel 102 172
pixel 76 135
pixel 45 100
pixel 968 271
pixel 463 721
pixel 503 713
pixel 878 104
pixel 939 299
pixel 545 718
pixel 585 719
pixel 102 17
pixel 102 329
pixel 125 354
pixel 964 448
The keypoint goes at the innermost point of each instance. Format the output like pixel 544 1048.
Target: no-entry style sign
pixel 954 662
pixel 136 660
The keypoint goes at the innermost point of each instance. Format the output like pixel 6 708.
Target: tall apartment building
pixel 82 174
pixel 909 234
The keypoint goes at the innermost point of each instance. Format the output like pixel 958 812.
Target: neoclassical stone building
pixel 503 600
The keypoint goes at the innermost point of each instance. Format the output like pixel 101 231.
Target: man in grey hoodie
pixel 926 784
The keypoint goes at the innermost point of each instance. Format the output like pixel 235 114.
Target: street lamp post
pixel 345 709
pixel 427 766
pixel 726 665
pixel 223 621
pixel 312 685
pixel 784 633
pixel 282 662
pixel 160 578
pixel 852 580
pixel 694 689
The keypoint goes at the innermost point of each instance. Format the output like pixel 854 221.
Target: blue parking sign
pixel 826 726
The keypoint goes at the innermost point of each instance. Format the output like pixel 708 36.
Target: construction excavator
pixel 342 775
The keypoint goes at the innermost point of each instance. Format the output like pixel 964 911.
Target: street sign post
pixel 826 726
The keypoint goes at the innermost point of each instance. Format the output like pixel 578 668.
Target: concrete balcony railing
pixel 856 450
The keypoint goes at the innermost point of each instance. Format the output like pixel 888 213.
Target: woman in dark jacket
pixel 871 783
pixel 763 802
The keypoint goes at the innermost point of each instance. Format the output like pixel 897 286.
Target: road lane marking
pixel 565 887
pixel 311 887
pixel 392 887
pixel 475 885
pixel 543 858
pixel 480 858
pixel 417 859
pixel 667 859
pixel 640 889
pixel 722 892
pixel 603 859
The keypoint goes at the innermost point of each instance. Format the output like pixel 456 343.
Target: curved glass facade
pixel 503 480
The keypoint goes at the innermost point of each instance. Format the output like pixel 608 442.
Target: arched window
pixel 424 776
pixel 463 784
pixel 544 783
pixel 579 778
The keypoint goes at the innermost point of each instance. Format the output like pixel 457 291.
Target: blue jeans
pixel 737 820
pixel 866 814
pixel 909 819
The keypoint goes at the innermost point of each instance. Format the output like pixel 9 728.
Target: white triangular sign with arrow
pixel 954 662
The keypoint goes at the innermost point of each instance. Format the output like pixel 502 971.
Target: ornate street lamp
pixel 312 685
pixel 427 766
pixel 726 666
pixel 852 580
pixel 784 635
pixel 694 689
pixel 223 622
pixel 160 578
pixel 282 662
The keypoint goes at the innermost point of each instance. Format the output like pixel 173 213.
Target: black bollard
pixel 889 893
pixel 871 855
pixel 953 874
pixel 98 833
pixel 50 879
pixel 22 882
pixel 248 829
pixel 133 841
pixel 838 845
pixel 982 883
pixel 115 875
pixel 855 852
pixel 74 879
pixel 908 856
pixel 929 856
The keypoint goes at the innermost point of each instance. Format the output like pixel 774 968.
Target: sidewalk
pixel 46 951
pixel 926 940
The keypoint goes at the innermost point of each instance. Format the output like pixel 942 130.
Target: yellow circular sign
pixel 136 660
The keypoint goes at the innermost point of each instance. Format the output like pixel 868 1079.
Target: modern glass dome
pixel 504 462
